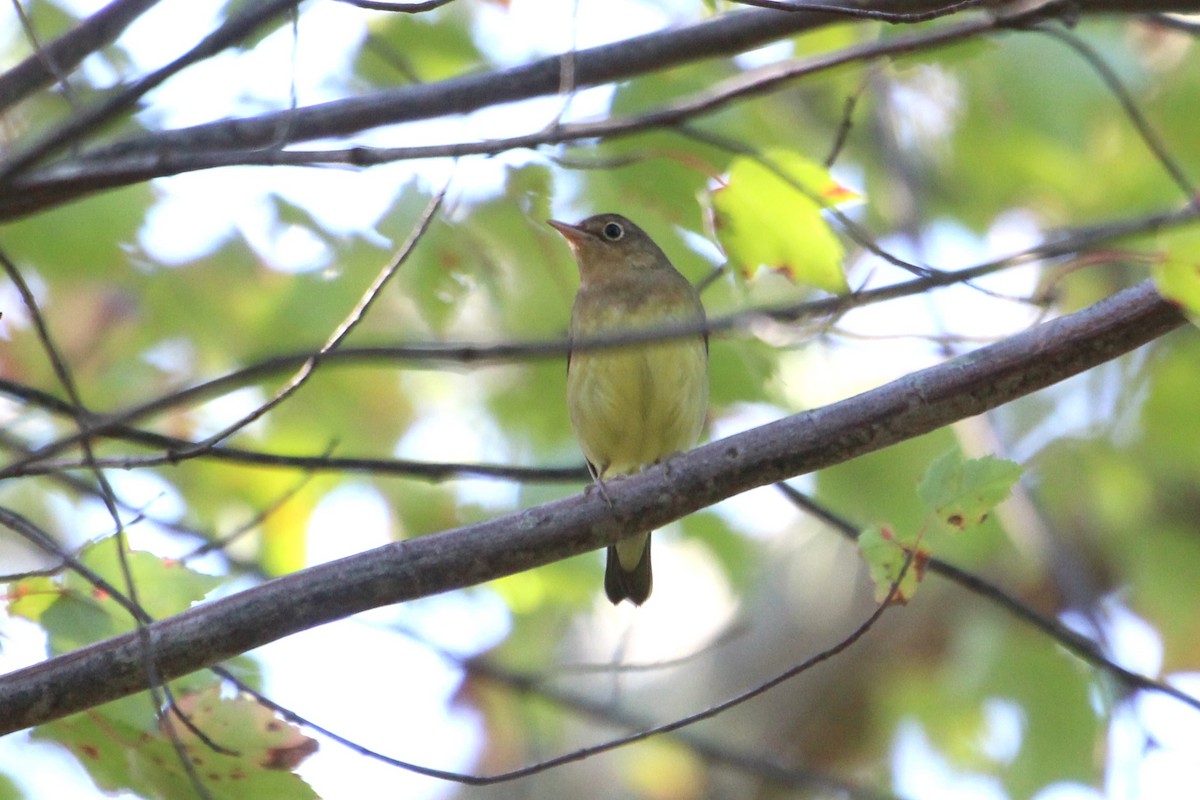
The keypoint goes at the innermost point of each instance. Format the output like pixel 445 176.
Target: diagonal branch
pixel 349 323
pixel 66 52
pixel 235 29
pixel 914 405
pixel 1080 645
pixel 261 139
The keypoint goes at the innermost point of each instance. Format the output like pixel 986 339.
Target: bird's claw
pixel 598 485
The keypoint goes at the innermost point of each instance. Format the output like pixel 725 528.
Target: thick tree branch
pixel 69 178
pixel 724 35
pixel 237 140
pixel 911 406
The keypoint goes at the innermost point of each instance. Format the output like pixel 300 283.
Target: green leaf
pixel 262 740
pixel 31 597
pixel 9 790
pixel 769 214
pixel 1061 728
pixel 121 755
pixel 961 494
pixel 1179 280
pixel 884 478
pixel 418 47
pixel 1177 276
pixel 886 557
pixel 83 614
pixel 740 370
pixel 85 239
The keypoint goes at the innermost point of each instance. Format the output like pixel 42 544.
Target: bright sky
pixel 399 700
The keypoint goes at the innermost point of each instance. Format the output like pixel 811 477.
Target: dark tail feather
pixel 634 584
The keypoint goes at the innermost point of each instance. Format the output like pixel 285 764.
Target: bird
pixel 631 406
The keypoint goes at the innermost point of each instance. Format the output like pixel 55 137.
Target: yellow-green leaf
pixel 83 613
pixel 769 215
pixel 961 493
pixel 1177 276
pixel 30 597
pixel 121 755
pixel 886 559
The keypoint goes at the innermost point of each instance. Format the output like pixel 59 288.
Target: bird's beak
pixel 572 233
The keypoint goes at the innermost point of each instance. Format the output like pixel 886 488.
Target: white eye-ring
pixel 613 232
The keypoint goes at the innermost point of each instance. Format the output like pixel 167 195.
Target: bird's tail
pixel 628 574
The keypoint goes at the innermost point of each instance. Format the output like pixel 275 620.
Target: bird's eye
pixel 613 232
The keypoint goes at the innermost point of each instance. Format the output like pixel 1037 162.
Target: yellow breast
pixel 636 405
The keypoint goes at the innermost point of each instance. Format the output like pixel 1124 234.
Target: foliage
pixel 1077 504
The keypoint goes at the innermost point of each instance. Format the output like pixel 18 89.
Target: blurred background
pixel 955 155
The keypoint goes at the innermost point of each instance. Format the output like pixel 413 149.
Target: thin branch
pixel 644 731
pixel 1081 646
pixel 719 708
pixel 843 131
pixel 36 463
pixel 44 572
pixel 356 315
pixel 44 56
pixel 109 167
pixel 154 680
pixel 1062 243
pixel 80 486
pixel 754 763
pixel 433 471
pixel 399 8
pixel 1174 23
pixel 219 543
pixel 860 12
pixel 911 406
pixel 233 30
pixel 1113 81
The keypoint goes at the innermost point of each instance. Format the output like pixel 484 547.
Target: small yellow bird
pixel 632 406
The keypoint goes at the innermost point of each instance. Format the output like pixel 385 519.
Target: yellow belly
pixel 633 407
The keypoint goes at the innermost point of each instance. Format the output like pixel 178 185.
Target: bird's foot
pixel 598 486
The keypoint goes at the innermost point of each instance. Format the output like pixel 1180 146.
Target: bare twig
pixel 221 542
pixel 355 316
pixel 843 131
pixel 856 11
pixel 45 56
pixel 400 8
pixel 1174 23
pixel 1111 80
pixel 483 668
